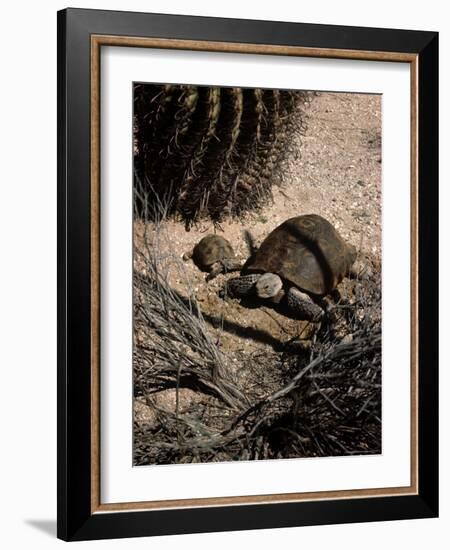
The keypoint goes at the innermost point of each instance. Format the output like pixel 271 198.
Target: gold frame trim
pixel 127 41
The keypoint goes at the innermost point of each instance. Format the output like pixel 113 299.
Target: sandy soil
pixel 335 171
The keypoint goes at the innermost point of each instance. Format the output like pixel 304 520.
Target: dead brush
pixel 172 346
pixel 330 403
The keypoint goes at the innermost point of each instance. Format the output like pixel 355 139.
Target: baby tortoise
pixel 215 255
pixel 301 260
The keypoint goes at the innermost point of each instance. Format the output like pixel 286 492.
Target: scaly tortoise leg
pixel 223 266
pixel 241 286
pixel 301 304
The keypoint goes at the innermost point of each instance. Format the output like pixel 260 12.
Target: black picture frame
pixel 76 518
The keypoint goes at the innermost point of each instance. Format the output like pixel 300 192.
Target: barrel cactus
pixel 211 151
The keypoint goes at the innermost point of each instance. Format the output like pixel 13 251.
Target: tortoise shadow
pixel 232 327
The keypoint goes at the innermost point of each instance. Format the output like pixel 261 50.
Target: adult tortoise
pixel 213 254
pixel 301 260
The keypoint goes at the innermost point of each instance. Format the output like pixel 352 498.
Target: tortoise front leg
pixel 223 266
pixel 241 286
pixel 302 305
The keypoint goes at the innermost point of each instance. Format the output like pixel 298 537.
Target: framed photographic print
pixel 247 251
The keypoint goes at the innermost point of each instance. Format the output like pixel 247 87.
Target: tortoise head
pixel 268 285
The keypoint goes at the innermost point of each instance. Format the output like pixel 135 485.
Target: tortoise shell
pixel 211 249
pixel 306 251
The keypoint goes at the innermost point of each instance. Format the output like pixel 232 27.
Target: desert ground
pixel 333 169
